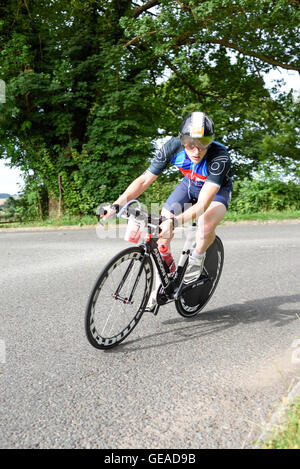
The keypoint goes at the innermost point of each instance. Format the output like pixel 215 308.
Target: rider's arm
pixel 157 166
pixel 206 196
pixel 134 190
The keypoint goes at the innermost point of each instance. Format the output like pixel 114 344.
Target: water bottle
pixel 134 230
pixel 167 257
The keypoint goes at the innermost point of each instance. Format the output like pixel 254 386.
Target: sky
pixel 11 180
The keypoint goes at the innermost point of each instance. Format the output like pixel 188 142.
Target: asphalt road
pixel 208 382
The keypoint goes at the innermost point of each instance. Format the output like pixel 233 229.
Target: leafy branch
pixel 139 10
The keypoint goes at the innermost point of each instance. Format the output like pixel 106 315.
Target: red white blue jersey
pixel 215 167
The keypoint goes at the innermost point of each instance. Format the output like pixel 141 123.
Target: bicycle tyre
pixel 102 305
pixel 193 300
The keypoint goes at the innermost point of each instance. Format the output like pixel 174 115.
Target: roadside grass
pixel 66 220
pixel 262 216
pixel 92 220
pixel 287 436
pixel 63 221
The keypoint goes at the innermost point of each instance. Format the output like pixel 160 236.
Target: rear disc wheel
pixel 193 299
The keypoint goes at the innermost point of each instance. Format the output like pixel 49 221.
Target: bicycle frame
pixel 172 285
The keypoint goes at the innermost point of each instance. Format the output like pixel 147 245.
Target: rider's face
pixel 194 153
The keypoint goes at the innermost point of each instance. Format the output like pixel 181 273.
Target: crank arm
pixel 196 284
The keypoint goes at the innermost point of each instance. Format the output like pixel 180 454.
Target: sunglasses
pixel 192 147
pixel 201 144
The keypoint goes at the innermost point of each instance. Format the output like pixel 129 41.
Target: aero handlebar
pixel 127 210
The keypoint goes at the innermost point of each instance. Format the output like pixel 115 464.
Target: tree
pixel 9 207
pixel 90 85
pixel 265 30
pixel 75 99
pixel 217 52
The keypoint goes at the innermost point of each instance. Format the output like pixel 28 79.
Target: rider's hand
pixel 111 212
pixel 166 229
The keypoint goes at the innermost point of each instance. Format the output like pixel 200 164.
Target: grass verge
pixel 92 220
pixel 262 216
pixel 49 222
pixel 287 436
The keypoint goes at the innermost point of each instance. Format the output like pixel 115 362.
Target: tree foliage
pixel 217 53
pixel 91 85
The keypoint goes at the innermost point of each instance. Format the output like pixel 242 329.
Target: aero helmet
pixel 198 126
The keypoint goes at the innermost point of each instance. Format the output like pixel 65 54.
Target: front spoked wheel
pixel 119 297
pixel 194 298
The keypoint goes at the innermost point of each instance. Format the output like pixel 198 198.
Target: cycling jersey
pixel 215 167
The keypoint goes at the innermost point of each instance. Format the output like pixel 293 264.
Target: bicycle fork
pixel 128 300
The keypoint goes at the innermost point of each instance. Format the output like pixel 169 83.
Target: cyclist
pixel 206 167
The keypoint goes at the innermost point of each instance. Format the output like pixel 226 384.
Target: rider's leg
pixel 175 202
pixel 162 241
pixel 205 236
pixel 207 224
pixel 166 241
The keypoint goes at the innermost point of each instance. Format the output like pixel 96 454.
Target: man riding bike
pixel 206 167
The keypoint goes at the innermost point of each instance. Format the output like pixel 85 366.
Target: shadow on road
pixel 277 310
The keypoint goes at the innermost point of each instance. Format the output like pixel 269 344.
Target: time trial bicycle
pixel 121 292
